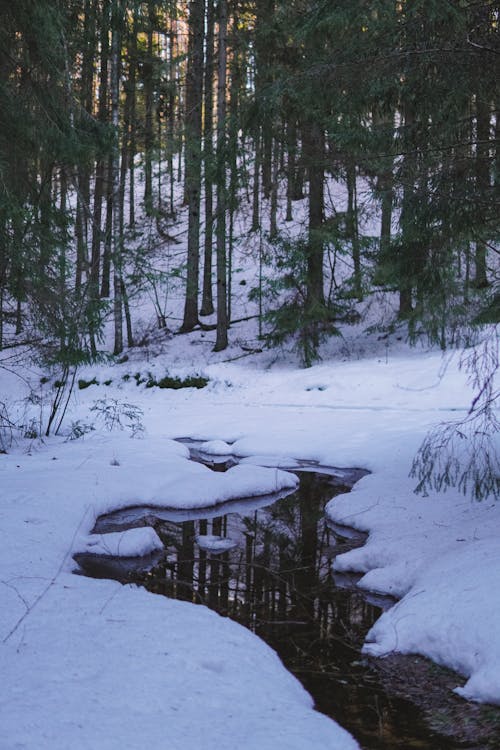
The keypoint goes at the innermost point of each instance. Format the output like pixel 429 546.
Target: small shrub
pixel 167 381
pixel 119 415
pixel 195 381
pixel 78 429
pixel 6 429
pixel 82 383
pixel 31 431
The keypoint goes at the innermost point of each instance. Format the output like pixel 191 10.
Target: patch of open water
pixel 266 563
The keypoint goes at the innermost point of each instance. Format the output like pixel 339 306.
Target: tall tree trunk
pixel 256 184
pixel 83 176
pixel 315 162
pixel 352 227
pixel 483 184
pixel 408 172
pixel 385 122
pixel 148 120
pixel 207 304
pixel 100 175
pixel 132 116
pixel 172 88
pixel 234 105
pixel 108 232
pixel 222 318
pixel 291 146
pixel 273 209
pixel 264 42
pixel 115 169
pixel 194 96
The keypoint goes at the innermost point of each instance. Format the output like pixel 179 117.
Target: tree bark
pixel 222 318
pixel 194 95
pixel 207 304
pixel 115 170
pixel 483 184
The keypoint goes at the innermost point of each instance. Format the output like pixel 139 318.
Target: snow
pixel 130 543
pixel 89 663
pixel 470 645
pixel 125 669
pixel 216 448
pixel 213 543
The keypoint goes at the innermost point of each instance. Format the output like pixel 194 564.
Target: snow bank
pixel 113 667
pixel 463 582
pixel 130 543
pixel 216 448
pixel 92 663
pixel 439 554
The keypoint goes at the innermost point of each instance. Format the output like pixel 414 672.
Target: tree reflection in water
pixel 277 580
pixel 278 573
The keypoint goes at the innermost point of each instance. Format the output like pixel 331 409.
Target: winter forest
pixel 249 359
pixel 119 117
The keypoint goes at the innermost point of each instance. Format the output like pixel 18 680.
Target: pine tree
pixel 194 98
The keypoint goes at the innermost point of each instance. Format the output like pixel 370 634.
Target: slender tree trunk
pixel 194 96
pixel 222 319
pixel 315 155
pixel 132 118
pixel 273 212
pixel 483 184
pixel 207 305
pixel 108 232
pixel 408 172
pixel 148 120
pixel 267 161
pixel 81 250
pixel 291 143
pixel 115 169
pixel 83 176
pixel 234 95
pixel 352 227
pixel 256 186
pixel 128 317
pixel 100 176
pixel 172 80
pixel 385 181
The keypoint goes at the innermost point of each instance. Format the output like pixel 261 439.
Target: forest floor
pixel 96 664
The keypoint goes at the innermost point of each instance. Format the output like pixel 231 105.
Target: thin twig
pixel 51 583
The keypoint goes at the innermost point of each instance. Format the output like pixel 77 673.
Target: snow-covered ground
pixel 94 664
pixel 89 663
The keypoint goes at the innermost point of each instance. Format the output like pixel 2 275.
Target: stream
pixel 266 563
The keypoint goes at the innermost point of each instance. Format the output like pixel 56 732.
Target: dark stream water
pixel 277 580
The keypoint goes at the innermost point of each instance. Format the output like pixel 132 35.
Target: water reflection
pixel 277 580
pixel 279 568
